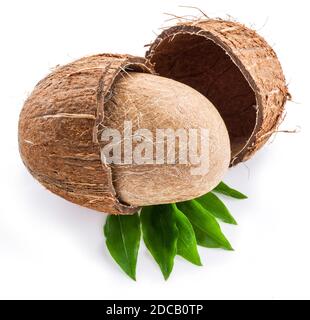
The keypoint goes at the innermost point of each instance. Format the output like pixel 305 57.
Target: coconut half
pixel 235 69
pixel 60 126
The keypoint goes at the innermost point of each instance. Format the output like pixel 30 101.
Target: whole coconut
pixel 63 121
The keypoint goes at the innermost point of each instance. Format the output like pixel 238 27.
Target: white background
pixel 50 248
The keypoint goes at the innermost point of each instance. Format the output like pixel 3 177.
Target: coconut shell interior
pixel 205 66
pixel 235 69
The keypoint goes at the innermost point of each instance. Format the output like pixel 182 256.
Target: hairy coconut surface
pixel 62 122
pixel 152 102
pixel 235 69
pixel 59 128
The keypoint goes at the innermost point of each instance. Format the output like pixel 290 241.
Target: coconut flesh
pixel 152 102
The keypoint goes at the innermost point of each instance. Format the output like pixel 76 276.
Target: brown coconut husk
pixel 235 69
pixel 59 128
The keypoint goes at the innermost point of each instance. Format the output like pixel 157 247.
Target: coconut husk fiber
pixel 59 128
pixel 235 69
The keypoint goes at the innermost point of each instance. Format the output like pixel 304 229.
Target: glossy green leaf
pixel 216 207
pixel 227 191
pixel 160 234
pixel 187 245
pixel 123 235
pixel 204 240
pixel 204 222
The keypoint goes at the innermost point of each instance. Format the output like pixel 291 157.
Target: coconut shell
pixel 59 128
pixel 152 103
pixel 235 69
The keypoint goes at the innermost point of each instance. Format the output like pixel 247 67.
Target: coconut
pixel 63 122
pixel 158 108
pixel 235 69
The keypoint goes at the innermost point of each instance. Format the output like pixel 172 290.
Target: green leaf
pixel 205 223
pixel 123 235
pixel 227 191
pixel 160 235
pixel 216 207
pixel 187 245
pixel 204 240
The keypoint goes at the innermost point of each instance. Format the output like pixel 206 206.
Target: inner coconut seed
pixel 148 122
pixel 205 66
